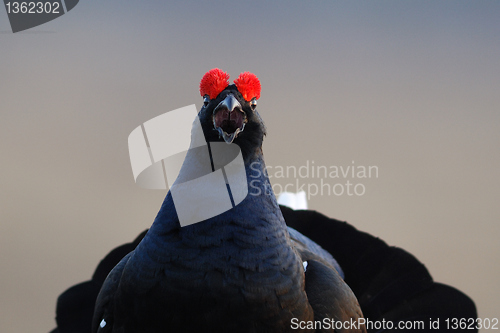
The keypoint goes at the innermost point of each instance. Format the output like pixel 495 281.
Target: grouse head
pixel 229 111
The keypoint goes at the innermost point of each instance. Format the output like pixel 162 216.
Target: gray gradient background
pixel 411 87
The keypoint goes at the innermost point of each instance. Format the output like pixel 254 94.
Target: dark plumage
pixel 75 306
pixel 239 271
pixel 389 282
pixel 369 264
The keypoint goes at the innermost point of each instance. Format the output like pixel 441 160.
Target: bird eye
pixel 206 100
pixel 253 103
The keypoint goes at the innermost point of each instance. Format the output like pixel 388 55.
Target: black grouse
pixel 241 271
pixel 392 286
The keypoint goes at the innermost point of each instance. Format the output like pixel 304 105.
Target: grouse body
pixel 241 271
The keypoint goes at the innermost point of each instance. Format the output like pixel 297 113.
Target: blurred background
pixel 409 87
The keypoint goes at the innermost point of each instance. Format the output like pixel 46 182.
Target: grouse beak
pixel 229 119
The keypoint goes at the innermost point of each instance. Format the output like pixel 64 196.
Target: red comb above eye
pixel 248 85
pixel 213 82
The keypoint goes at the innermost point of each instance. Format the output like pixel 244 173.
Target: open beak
pixel 229 118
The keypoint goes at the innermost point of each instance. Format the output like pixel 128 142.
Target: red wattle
pixel 248 85
pixel 213 82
